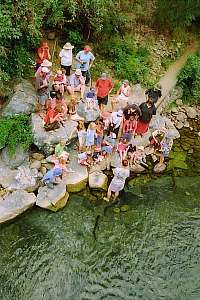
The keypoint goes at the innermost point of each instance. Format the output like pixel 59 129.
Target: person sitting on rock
pixel 53 118
pixel 85 158
pixel 52 177
pixel 139 157
pixel 61 101
pixel 42 88
pixel 60 151
pixel 122 148
pixel 166 146
pixel 71 107
pixel 46 64
pixel 77 83
pixel 60 82
pixel 62 164
pixel 52 100
pixel 122 95
pixel 116 119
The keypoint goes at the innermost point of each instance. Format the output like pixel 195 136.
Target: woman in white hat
pixel 45 64
pixel 66 58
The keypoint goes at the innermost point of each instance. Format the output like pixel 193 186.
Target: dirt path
pixel 169 80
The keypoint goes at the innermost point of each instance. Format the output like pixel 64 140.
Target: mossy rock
pixel 116 210
pixel 60 204
pixel 77 187
pixel 139 180
pixel 124 208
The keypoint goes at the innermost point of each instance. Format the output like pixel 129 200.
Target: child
pixel 122 148
pixel 72 107
pixel 53 118
pixel 81 131
pixel 62 164
pixel 99 132
pixel 166 146
pixel 61 101
pixel 84 158
pixel 90 136
pixel 60 82
pixel 90 99
pixel 52 177
pixel 139 157
pixel 60 150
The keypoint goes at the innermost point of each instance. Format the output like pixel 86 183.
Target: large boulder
pixel 15 204
pixel 77 180
pixel 89 115
pixel 98 180
pixel 191 112
pixel 158 122
pixel 25 179
pixel 14 160
pixel 24 100
pixel 53 199
pixel 46 140
pixel 7 175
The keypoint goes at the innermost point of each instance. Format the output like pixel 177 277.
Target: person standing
pixel 118 182
pixel 41 85
pixel 42 54
pixel 123 94
pixel 66 58
pixel 104 87
pixel 85 59
pixel 77 83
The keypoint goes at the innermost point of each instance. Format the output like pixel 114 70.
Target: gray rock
pixel 43 170
pixel 181 117
pixel 191 112
pixel 25 179
pixel 137 169
pixel 176 93
pixel 46 141
pixel 7 175
pixel 24 100
pixel 179 125
pixel 88 115
pixel 16 159
pixel 38 156
pixel 53 199
pixel 186 124
pixel 36 164
pixel 98 180
pixel 159 168
pixel 174 110
pixel 15 204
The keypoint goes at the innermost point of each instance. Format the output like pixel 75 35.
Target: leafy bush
pixel 14 131
pixel 189 79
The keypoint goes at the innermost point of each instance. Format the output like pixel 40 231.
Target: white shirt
pixel 115 119
pixel 66 57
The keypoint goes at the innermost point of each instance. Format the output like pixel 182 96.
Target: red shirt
pixel 103 87
pixel 51 113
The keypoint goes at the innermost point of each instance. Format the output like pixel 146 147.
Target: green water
pixel 150 252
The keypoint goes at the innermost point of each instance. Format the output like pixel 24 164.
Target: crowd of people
pixel 118 123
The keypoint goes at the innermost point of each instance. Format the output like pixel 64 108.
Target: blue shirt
pixel 75 81
pixel 86 58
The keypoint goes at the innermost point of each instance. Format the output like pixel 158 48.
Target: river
pixel 152 251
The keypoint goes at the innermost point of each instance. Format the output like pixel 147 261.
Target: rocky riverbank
pixel 21 174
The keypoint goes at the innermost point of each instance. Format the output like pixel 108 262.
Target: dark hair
pixel 125 163
pixel 153 94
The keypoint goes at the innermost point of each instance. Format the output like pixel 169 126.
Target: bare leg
pixel 82 90
pixel 116 195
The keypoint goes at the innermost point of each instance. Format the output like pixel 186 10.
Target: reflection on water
pixel 150 252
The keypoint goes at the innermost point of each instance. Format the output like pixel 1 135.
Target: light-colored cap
pixel 126 81
pixel 140 148
pixel 59 72
pixel 68 46
pixel 78 72
pixel 46 63
pixel 45 70
pixel 103 76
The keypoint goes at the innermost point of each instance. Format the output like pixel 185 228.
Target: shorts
pixel 43 98
pixel 103 100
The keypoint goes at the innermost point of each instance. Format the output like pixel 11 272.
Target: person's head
pixel 59 73
pixel 44 71
pixel 46 63
pixel 59 96
pixel 81 125
pixel 68 46
pixel 92 125
pixel 62 142
pixel 44 44
pixel 62 160
pixel 125 163
pixel 140 148
pixel 104 76
pixel 125 82
pixel 59 108
pixel 53 95
pixel 87 48
pixel 78 73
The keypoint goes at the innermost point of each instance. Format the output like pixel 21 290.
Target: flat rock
pixel 25 179
pixel 191 112
pixel 137 169
pixel 98 180
pixel 53 199
pixel 36 164
pixel 159 168
pixel 181 117
pixel 7 175
pixel 15 204
pixel 88 115
pixel 46 141
pixel 38 156
pixel 24 100
pixel 16 159
pixel 76 181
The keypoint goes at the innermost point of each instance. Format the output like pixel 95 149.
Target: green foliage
pixel 177 161
pixel 179 13
pixel 14 131
pixel 189 79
